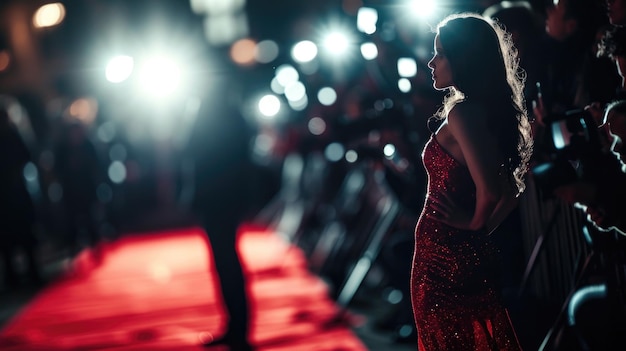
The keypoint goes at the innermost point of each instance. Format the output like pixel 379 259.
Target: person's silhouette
pixel 79 171
pixel 17 212
pixel 220 149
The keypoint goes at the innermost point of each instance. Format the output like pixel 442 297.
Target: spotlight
pixel 160 77
pixel 119 69
pixel 423 8
pixel 336 43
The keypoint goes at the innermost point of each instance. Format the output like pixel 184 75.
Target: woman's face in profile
pixel 440 67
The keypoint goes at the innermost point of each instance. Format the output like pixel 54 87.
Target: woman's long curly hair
pixel 485 69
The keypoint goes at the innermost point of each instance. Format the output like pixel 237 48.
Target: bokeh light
pixel 266 51
pixel 366 20
pixel 423 8
pixel 299 104
pixel 316 126
pixel 389 150
pixel 404 85
pixel 327 96
pixel 84 110
pixel 5 60
pixel 276 86
pixel 106 132
pixel 243 52
pixel 334 152
pixel 336 43
pixel 269 105
pixel 159 77
pixel 407 67
pixel 286 74
pixel 351 156
pixel 49 15
pixel 304 51
pixel 117 172
pixel 295 91
pixel 119 68
pixel 369 51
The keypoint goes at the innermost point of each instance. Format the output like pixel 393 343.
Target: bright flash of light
pixel 49 15
pixel 336 43
pixel 366 20
pixel 304 51
pixel 269 105
pixel 369 51
pixel 160 77
pixel 119 69
pixel 407 67
pixel 423 8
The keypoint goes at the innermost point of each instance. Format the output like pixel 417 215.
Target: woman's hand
pixel 447 211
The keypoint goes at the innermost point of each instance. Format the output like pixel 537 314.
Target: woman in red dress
pixel 476 162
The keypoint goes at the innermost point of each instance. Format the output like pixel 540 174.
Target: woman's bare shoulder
pixel 467 115
pixel 468 109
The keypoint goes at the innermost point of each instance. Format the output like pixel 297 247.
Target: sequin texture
pixel 454 285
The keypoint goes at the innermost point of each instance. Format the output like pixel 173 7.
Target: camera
pixel 573 151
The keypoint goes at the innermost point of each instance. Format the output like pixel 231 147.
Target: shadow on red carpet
pixel 159 291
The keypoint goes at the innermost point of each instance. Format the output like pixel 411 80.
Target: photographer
pixel 601 193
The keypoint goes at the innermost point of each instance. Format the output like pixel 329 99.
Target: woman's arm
pixel 494 196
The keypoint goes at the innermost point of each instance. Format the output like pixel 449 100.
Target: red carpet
pixel 154 292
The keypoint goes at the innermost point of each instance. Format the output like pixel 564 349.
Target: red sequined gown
pixel 454 287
